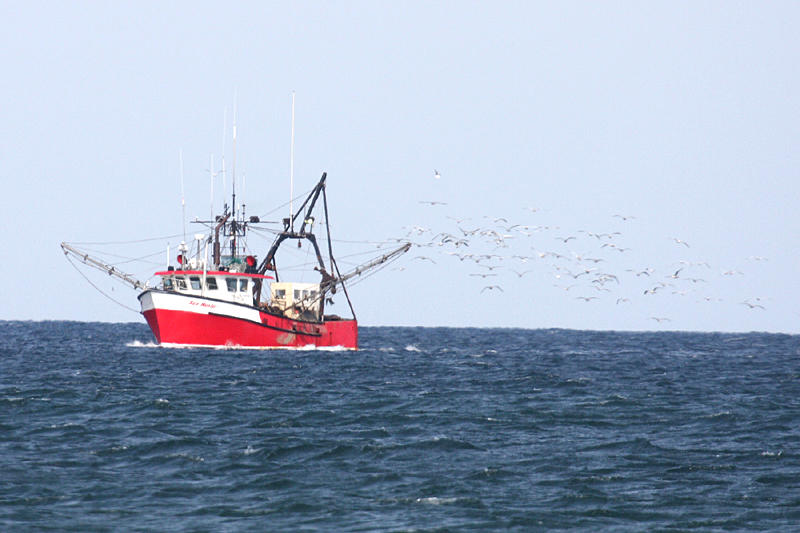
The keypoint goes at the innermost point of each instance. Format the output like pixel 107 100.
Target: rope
pixel 287 203
pixel 261 231
pixel 127 259
pixel 371 272
pixel 376 243
pixel 99 289
pixel 296 266
pixel 129 242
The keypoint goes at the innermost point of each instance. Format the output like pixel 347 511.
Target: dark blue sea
pixel 423 429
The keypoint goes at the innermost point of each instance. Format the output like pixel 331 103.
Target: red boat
pixel 234 300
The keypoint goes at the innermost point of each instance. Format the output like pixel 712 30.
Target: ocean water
pixel 423 429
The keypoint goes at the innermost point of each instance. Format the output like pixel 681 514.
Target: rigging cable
pixel 297 197
pixel 371 272
pixel 127 259
pixel 99 289
pixel 128 242
pixel 333 261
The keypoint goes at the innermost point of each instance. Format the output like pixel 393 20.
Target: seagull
pixel 622 300
pixel 483 275
pixel 677 240
pixel 436 174
pixel 731 272
pixel 752 305
pixel 567 288
pixel 446 237
pixel 675 275
pixel 582 273
pixel 491 288
pixel 423 258
pixel 602 279
pixel 429 202
pixel 520 274
pixel 623 217
pixel 419 230
pixel 660 319
pixel 586 298
pixel 689 263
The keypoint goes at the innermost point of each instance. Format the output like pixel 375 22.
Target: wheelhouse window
pixel 168 284
pixel 181 281
pixel 243 285
pixel 211 284
pixel 195 281
pixel 231 284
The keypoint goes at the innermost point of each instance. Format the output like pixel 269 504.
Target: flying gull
pixel 491 288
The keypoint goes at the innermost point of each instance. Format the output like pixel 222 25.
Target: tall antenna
pixel 213 175
pixel 233 165
pixel 224 130
pixel 291 172
pixel 183 198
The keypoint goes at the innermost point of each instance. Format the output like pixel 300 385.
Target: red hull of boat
pixel 194 329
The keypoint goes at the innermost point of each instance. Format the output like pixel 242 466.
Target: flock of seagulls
pixel 587 264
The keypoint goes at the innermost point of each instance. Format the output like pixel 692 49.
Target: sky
pixel 607 165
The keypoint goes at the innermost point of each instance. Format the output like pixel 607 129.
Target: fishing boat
pixel 233 299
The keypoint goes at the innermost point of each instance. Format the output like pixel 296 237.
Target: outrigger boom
pixel 110 270
pixel 374 263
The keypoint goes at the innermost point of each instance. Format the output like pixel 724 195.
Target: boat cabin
pixel 236 287
pixel 296 300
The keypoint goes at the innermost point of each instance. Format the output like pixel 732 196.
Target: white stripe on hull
pixel 194 304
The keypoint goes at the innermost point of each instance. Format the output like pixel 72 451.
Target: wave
pixel 171 346
pixel 140 344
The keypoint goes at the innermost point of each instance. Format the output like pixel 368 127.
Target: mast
pixel 288 233
pixel 231 223
pixel 291 171
pixel 234 227
pixel 224 136
pixel 183 198
pixel 217 251
pixel 212 174
pixel 233 165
